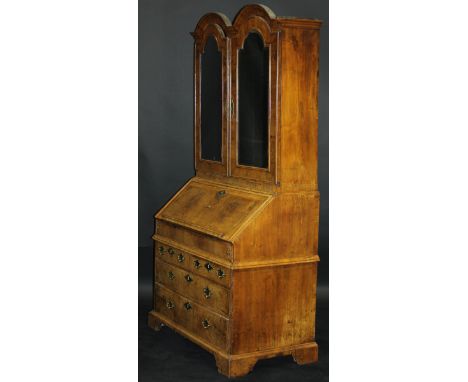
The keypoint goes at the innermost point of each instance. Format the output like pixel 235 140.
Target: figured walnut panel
pixel 286 230
pixel 299 108
pixel 216 210
pixel 273 307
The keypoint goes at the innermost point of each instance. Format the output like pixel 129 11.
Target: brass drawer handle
pixel 170 305
pixel 188 278
pixel 187 306
pixel 170 251
pixel 196 264
pixel 208 266
pixel 181 258
pixel 206 324
pixel 171 275
pixel 161 249
pixel 221 273
pixel 207 292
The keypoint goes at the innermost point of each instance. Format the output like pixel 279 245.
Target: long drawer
pixel 191 239
pixel 195 287
pixel 202 323
pixel 195 264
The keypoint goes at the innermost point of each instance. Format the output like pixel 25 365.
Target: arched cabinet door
pixel 211 68
pixel 254 92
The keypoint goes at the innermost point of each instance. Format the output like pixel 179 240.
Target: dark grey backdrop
pixel 166 162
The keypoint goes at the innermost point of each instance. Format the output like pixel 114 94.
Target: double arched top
pixel 243 109
pixel 220 26
pixel 230 40
pixel 252 14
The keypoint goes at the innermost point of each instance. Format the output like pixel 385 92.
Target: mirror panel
pixel 253 77
pixel 211 101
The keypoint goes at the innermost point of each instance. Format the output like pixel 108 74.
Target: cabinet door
pixel 254 68
pixel 211 94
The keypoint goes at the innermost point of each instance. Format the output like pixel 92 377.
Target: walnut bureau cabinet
pixel 235 249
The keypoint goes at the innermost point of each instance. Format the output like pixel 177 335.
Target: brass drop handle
pixel 208 266
pixel 196 264
pixel 206 324
pixel 170 251
pixel 207 292
pixel 187 306
pixel 188 278
pixel 170 305
pixel 181 258
pixel 221 273
pixel 170 275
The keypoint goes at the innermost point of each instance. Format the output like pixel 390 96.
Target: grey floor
pixel 166 356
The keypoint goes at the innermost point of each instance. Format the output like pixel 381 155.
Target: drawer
pixel 191 239
pixel 202 323
pixel 194 264
pixel 197 288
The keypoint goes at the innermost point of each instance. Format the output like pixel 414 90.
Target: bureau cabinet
pixel 235 249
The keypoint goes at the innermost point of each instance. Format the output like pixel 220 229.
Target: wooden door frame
pixel 261 20
pixel 212 25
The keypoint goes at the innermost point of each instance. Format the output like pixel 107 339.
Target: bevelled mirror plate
pixel 211 101
pixel 253 77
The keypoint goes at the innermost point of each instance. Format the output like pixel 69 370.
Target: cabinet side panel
pixel 286 230
pixel 273 307
pixel 299 108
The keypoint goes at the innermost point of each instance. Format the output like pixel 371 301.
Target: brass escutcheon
pixel 207 292
pixel 208 266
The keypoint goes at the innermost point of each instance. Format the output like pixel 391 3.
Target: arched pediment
pixel 255 10
pixel 212 20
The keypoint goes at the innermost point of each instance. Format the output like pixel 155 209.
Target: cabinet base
pixel 239 365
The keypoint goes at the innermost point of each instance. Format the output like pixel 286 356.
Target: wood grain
pixel 212 209
pixel 199 289
pixel 287 230
pixel 273 307
pixel 214 271
pixel 259 226
pixel 215 25
pixel 201 244
pixel 192 318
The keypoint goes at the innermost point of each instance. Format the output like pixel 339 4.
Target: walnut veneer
pixel 236 248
